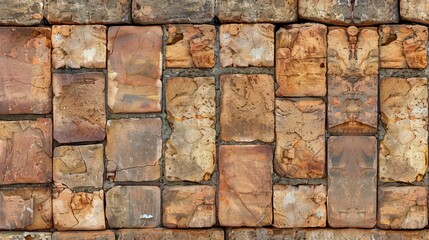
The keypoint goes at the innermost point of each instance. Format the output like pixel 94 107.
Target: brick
pixel 23 12
pixel 189 46
pixel 299 206
pixel 352 80
pixel 176 234
pixel 166 11
pixel 257 11
pixel 352 183
pixel 77 46
pixel 134 69
pixel 79 166
pixel 25 235
pixel 414 11
pixel 245 187
pixel 79 116
pixel 404 114
pixel 343 234
pixel 25 208
pixel 400 235
pixel 301 60
pixel 78 210
pixel 300 138
pixel 262 233
pixel 133 149
pixel 95 235
pixel 247 107
pixel 244 45
pixel 190 153
pixel 133 206
pixel 25 63
pixel 88 12
pixel 189 206
pixel 26 151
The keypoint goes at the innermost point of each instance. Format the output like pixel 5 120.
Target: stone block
pixel 84 235
pixel 262 233
pixel 414 11
pixel 25 235
pixel 22 12
pixel 164 233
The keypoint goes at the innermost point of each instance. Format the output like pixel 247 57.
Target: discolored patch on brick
pixel 23 12
pixel 84 235
pixel 262 233
pixel 414 11
pixel 176 234
pixel 7 235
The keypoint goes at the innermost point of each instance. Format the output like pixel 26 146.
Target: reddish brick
pixel 95 235
pixel 164 234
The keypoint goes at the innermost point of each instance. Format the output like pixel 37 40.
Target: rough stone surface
pixel 133 149
pixel 245 186
pixel 26 151
pixel 247 107
pixel 352 181
pixel 95 235
pixel 300 138
pixel 78 210
pixel 301 60
pixel 25 208
pixel 403 46
pixel 190 46
pixel 88 12
pixel 414 11
pixel 262 233
pixel 299 206
pixel 348 234
pixel 352 80
pixel 134 69
pixel 404 113
pixel 25 235
pixel 79 166
pixel 244 45
pixel 21 12
pixel 190 153
pixel 79 116
pixel 25 66
pixel 164 234
pixel 75 46
pixel 133 206
pixel 189 206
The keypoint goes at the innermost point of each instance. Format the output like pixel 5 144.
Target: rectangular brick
pixel 84 235
pixel 414 11
pixel 361 234
pixel 262 234
pixel 25 235
pixel 164 234
pixel 23 12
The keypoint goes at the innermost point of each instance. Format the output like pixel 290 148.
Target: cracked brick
pixel 177 234
pixel 84 235
pixel 23 12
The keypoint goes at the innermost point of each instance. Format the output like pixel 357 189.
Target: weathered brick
pixel 189 206
pixel 245 186
pixel 133 149
pixel 300 138
pixel 84 235
pixel 414 11
pixel 301 60
pixel 26 151
pixel 25 208
pixel 77 46
pixel 299 206
pixel 25 235
pixel 191 149
pixel 134 69
pixel 190 46
pixel 244 45
pixel 404 113
pixel 133 206
pixel 348 234
pixel 22 12
pixel 262 234
pixel 79 116
pixel 352 183
pixel 400 235
pixel 176 234
pixel 25 66
pixel 247 107
pixel 79 166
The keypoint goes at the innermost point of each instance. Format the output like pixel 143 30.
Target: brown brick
pixel 133 149
pixel 26 151
pixel 134 69
pixel 352 80
pixel 25 235
pixel 23 12
pixel 300 138
pixel 400 235
pixel 164 234
pixel 352 183
pixel 96 235
pixel 301 60
pixel 78 210
pixel 25 208
pixel 245 187
pixel 190 153
pixel 88 12
pixel 79 116
pixel 262 234
pixel 190 46
pixel 299 206
pixel 342 234
pixel 247 107
pixel 244 45
pixel 189 206
pixel 77 46
pixel 133 206
pixel 414 11
pixel 25 66
pixel 404 113
pixel 79 166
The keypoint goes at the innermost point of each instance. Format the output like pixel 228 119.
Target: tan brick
pixel 133 149
pixel 134 69
pixel 79 116
pixel 25 235
pixel 414 11
pixel 23 12
pixel 400 235
pixel 262 234
pixel 25 66
pixel 348 234
pixel 164 233
pixel 247 107
pixel 301 60
pixel 245 186
pixel 95 235
pixel 244 45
